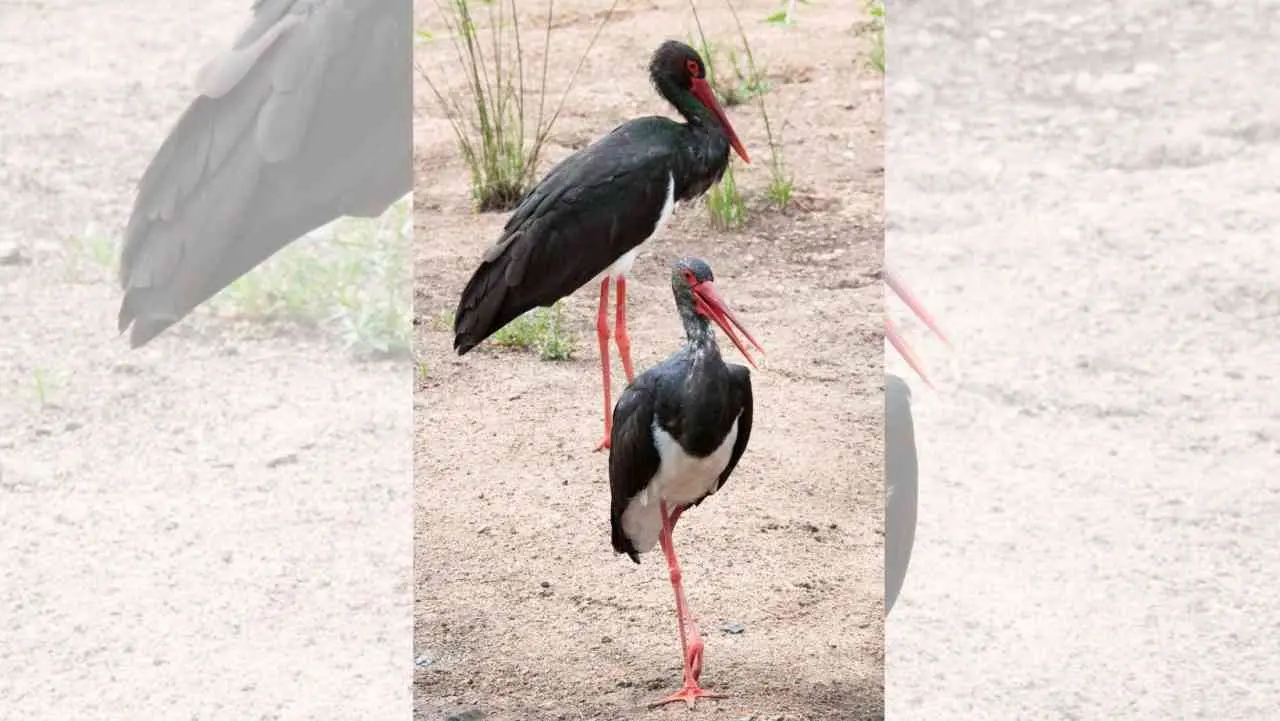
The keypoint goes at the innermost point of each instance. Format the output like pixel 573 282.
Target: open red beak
pixel 710 303
pixel 702 90
pixel 891 332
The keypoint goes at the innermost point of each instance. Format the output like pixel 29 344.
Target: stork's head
pixel 694 287
pixel 679 67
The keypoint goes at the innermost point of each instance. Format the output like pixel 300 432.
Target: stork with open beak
pixel 679 430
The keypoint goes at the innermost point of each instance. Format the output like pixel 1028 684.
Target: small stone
pixel 733 628
pixel 471 714
pixel 424 659
pixel 546 584
pixel 286 459
pixel 13 255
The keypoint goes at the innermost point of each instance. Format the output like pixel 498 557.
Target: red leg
pixel 690 639
pixel 620 328
pixel 602 334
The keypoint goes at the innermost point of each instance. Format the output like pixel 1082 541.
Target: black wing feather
pixel 742 383
pixel 740 380
pixel 633 458
pixel 307 118
pixel 901 485
pixel 592 208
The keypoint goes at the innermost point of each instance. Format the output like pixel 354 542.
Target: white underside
pixel 622 266
pixel 681 479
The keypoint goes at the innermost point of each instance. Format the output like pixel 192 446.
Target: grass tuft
pixel 725 202
pixel 748 81
pixel 42 384
pixel 785 15
pixel 745 80
pixel 781 184
pixel 780 190
pixel 501 139
pixel 542 331
pixel 351 279
pixel 875 9
pixel 91 257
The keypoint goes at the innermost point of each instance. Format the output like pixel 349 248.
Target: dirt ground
pixel 1086 197
pixel 215 526
pixel 523 611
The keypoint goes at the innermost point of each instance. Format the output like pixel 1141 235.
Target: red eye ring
pixel 692 66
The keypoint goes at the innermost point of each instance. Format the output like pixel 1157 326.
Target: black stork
pixel 678 432
pixel 589 216
pixel 901 466
pixel 308 117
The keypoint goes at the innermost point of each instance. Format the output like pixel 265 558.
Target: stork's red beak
pixel 891 332
pixel 709 302
pixel 702 90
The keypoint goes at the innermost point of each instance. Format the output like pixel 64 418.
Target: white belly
pixel 681 479
pixel 622 266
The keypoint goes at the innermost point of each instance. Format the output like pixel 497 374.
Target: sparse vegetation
pixel 443 321
pixel 875 9
pixel 41 382
pixel 780 186
pixel 744 81
pixel 499 136
pixel 353 280
pixel 541 330
pixel 785 15
pixel 724 202
pixel 91 257
pixel 780 182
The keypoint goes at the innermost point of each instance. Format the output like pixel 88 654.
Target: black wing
pixel 740 378
pixel 307 118
pixel 592 208
pixel 633 458
pixel 901 471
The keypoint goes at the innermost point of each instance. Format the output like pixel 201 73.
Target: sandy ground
pixel 523 611
pixel 213 527
pixel 1086 196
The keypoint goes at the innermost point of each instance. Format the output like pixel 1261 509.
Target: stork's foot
pixel 605 444
pixel 689 694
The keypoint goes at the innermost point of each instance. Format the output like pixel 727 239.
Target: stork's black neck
pixel 705 145
pixel 687 104
pixel 697 329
